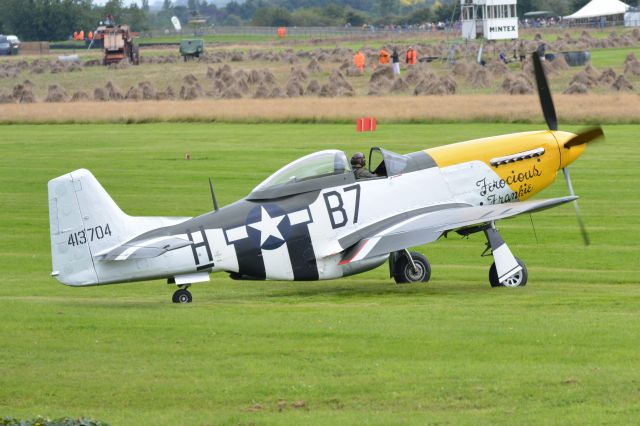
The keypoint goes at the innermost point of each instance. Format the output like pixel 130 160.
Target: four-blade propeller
pixel 549 111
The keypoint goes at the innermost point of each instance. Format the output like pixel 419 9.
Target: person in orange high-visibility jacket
pixel 412 57
pixel 75 35
pixel 383 57
pixel 90 36
pixel 359 61
pixel 81 35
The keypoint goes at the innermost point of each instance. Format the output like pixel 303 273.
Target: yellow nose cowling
pixel 568 155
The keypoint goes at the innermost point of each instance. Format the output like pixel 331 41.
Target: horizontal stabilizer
pixel 143 249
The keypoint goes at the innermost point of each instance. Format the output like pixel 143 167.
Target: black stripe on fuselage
pixel 301 254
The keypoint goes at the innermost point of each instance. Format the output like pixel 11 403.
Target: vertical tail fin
pixel 83 219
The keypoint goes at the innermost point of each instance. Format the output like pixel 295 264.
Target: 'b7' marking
pixel 335 206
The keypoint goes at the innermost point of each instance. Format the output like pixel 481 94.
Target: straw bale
pixel 237 57
pixel 115 94
pixel 189 79
pixel 621 84
pixel 79 96
pixel 262 92
pixel 460 69
pixel 576 88
pixel 583 78
pixel 607 77
pixel 517 84
pixel 314 67
pixel 399 85
pixel 381 72
pixel 190 92
pixel 133 94
pixel 6 98
pixel 255 77
pixel 232 93
pixel 56 93
pixel 313 88
pixel 99 94
pixel 294 89
pixel 480 78
pixel 497 68
pixel 299 74
pixel 147 90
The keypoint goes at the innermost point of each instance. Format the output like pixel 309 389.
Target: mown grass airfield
pixel 563 349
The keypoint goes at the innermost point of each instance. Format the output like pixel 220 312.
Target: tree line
pixel 58 19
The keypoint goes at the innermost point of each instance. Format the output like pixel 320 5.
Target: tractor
pixel 118 44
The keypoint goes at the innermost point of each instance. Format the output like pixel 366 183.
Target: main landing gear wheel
pixel 417 271
pixel 516 280
pixel 182 295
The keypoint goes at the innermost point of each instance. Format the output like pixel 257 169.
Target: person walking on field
pixel 395 58
pixel 411 57
pixel 359 61
pixel 383 57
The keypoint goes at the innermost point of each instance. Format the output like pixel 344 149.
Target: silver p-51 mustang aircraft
pixel 313 220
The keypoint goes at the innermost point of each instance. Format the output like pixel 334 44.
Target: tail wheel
pixel 516 280
pixel 405 272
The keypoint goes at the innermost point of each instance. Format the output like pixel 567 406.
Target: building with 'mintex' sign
pixel 489 19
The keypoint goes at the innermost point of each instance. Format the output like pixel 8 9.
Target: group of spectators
pixel 384 58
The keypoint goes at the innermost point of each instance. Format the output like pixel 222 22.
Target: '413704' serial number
pixel 88 235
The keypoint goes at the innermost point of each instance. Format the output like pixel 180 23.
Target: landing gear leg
pixel 182 295
pixel 507 270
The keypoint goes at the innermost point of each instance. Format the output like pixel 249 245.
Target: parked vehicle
pixel 5 46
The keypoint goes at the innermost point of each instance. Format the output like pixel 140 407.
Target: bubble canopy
pixel 320 164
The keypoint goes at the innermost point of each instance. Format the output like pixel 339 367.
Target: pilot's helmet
pixel 357 159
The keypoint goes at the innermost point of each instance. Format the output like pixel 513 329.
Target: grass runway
pixel 563 349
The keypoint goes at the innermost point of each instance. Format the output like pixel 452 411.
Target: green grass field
pixel 563 349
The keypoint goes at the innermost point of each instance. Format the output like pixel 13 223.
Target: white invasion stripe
pixel 125 254
pixel 235 234
pixel 128 252
pixel 510 274
pixel 369 245
pixel 517 157
pixel 277 264
pixel 506 263
pixel 301 216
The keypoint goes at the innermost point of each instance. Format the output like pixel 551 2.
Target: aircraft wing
pixel 428 227
pixel 143 248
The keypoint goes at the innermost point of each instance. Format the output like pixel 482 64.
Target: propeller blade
pixel 544 93
pixel 585 137
pixel 583 228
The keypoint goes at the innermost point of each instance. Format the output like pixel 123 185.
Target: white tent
pixel 597 8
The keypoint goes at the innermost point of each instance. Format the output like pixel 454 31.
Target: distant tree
pixel 166 5
pixel 271 17
pixel 355 18
pixel 387 7
pixel 578 4
pixel 46 19
pixel 420 16
pixel 232 21
pixel 145 6
pixel 444 12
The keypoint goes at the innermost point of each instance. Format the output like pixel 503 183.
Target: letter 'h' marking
pixel 195 246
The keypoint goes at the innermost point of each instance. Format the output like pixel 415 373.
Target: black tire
pixel 517 280
pixel 182 296
pixel 404 273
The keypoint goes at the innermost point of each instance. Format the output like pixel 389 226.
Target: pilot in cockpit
pixel 358 163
